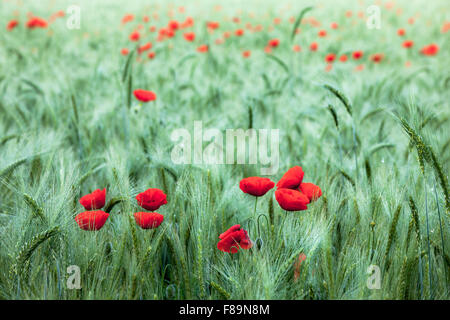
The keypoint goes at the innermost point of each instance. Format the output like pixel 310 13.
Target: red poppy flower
pixel 134 36
pixel 430 50
pixel 145 47
pixel 445 27
pixel 297 48
pixel 273 43
pixel 246 53
pixel 151 55
pixel 12 24
pixel 256 186
pixel 145 19
pixel 314 46
pixel 343 58
pixel 357 55
pixel 298 264
pixel 267 49
pixel 91 220
pixel 152 29
pixel 377 57
pixel 408 43
pixel 292 178
pixel 189 36
pixel 322 33
pixel 203 48
pixel 213 25
pixel 291 200
pixel 144 95
pixel 148 220
pixel 127 18
pixel 401 32
pixel 36 22
pixel 124 51
pixel 151 199
pixel 239 32
pixel 334 25
pixel 330 57
pixel 310 190
pixel 233 239
pixel 173 25
pixel 94 200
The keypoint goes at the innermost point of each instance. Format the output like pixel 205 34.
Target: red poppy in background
pixel 292 178
pixel 151 55
pixel 203 48
pixel 291 200
pixel 246 53
pixel 127 18
pixel 145 19
pixel 297 48
pixel 144 95
pixel 357 55
pixel 94 200
pixel 256 186
pixel 377 57
pixel 445 27
pixel 189 36
pixel 273 43
pixel 407 44
pixel 330 57
pixel 401 32
pixel 151 199
pixel 91 220
pixel 430 50
pixel 314 46
pixel 298 264
pixel 124 51
pixel 173 25
pixel 334 25
pixel 134 36
pixel 322 33
pixel 148 220
pixel 233 239
pixel 239 32
pixel 145 47
pixel 36 22
pixel 212 25
pixel 311 191
pixel 343 58
pixel 12 24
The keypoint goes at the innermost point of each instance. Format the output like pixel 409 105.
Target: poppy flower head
pixel 239 32
pixel 310 190
pixel 297 48
pixel 91 220
pixel 173 25
pixel 124 51
pixel 36 22
pixel 256 186
pixel 292 178
pixel 322 33
pixel 212 25
pixel 94 200
pixel 189 36
pixel 401 32
pixel 334 25
pixel 430 50
pixel 291 200
pixel 127 18
pixel 151 55
pixel 145 47
pixel 377 57
pixel 273 43
pixel 151 199
pixel 233 239
pixel 314 46
pixel 357 55
pixel 203 48
pixel 343 58
pixel 148 220
pixel 144 95
pixel 134 36
pixel 330 57
pixel 407 44
pixel 246 53
pixel 12 24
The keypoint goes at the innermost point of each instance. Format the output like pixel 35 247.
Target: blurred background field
pixel 69 125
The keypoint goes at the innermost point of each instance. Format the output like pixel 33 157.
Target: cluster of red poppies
pixel 292 194
pixel 94 219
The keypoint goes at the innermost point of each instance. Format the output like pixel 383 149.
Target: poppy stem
pixel 256 202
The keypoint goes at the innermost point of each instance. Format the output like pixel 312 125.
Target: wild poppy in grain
pixel 268 49
pixel 377 57
pixel 246 53
pixel 36 22
pixel 343 58
pixel 239 32
pixel 276 21
pixel 152 29
pixel 330 57
pixel 256 186
pixel 310 190
pixel 292 178
pixel 144 95
pixel 189 36
pixel 151 199
pixel 135 36
pixel 407 44
pixel 357 55
pixel 430 50
pixel 334 25
pixel 127 18
pixel 314 46
pixel 359 67
pixel 322 33
pixel 233 239
pixel 296 48
pixel 401 32
pixel 273 43
pixel 291 200
pixel 12 24
pixel 94 200
pixel 145 47
pixel 173 25
pixel 298 264
pixel 91 220
pixel 227 34
pixel 145 19
pixel 202 48
pixel 445 27
pixel 212 25
pixel 148 220
pixel 151 55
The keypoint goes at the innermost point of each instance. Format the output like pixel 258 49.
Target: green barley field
pixel 358 90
